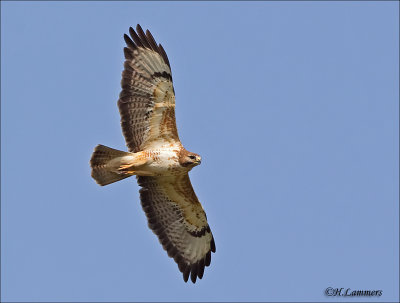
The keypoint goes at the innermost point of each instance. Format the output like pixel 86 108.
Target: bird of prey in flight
pixel 157 157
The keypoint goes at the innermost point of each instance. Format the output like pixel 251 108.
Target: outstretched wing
pixel 176 216
pixel 147 100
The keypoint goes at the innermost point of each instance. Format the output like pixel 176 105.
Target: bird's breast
pixel 164 162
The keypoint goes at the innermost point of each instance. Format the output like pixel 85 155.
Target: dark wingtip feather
pixel 135 37
pixel 213 248
pixel 193 274
pixel 182 266
pixel 139 38
pixel 201 268
pixel 208 258
pixel 151 41
pixel 142 36
pixel 129 42
pixel 186 274
pixel 164 55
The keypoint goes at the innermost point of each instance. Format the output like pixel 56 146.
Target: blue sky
pixel 293 106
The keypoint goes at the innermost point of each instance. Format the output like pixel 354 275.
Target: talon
pixel 130 172
pixel 124 167
pixel 127 172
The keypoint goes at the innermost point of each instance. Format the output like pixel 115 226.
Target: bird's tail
pixel 105 162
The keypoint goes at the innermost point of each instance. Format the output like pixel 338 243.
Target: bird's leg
pixel 126 169
pixel 130 165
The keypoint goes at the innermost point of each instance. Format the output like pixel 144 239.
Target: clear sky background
pixel 292 105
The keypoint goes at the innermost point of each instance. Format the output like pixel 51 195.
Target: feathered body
pixel 157 157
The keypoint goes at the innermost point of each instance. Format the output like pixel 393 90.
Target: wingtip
pixel 186 274
pixel 139 28
pixel 208 258
pixel 201 265
pixel 213 248
pixel 193 274
pixel 128 41
pixel 131 30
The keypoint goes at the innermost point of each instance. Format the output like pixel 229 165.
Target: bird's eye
pixel 192 157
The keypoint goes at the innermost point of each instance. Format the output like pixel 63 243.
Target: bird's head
pixel 188 159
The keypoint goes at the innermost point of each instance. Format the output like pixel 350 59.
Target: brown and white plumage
pixel 147 99
pixel 176 216
pixel 157 157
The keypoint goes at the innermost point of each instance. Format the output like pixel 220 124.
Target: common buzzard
pixel 156 156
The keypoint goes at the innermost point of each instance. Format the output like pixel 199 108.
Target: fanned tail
pixel 104 162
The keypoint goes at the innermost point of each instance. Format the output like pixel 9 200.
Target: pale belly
pixel 160 163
